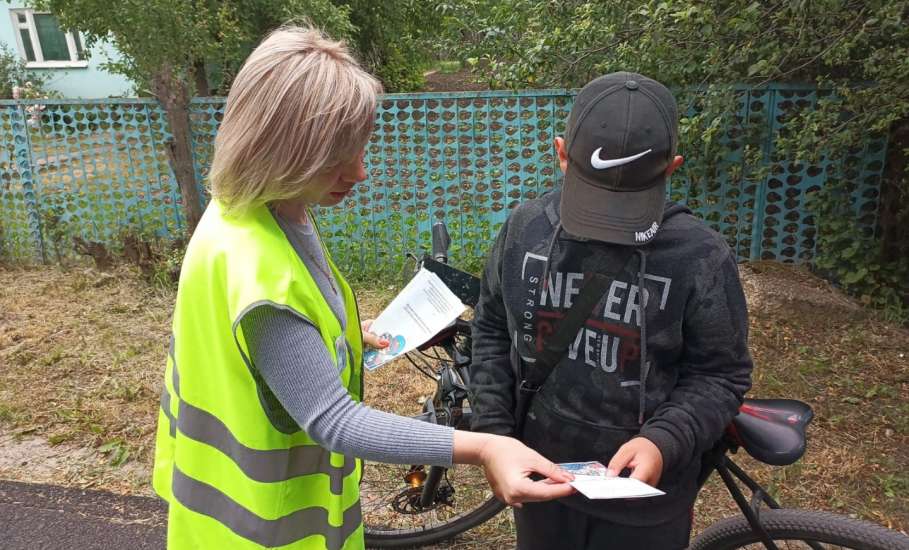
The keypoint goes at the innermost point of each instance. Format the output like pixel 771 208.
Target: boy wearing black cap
pixel 672 297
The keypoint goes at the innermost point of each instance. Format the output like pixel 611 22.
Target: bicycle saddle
pixel 771 430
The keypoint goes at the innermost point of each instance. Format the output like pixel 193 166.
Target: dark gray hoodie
pixel 694 332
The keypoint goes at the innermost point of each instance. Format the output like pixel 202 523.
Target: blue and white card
pixel 592 468
pixel 590 480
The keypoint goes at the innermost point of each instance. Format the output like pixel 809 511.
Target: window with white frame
pixel 43 44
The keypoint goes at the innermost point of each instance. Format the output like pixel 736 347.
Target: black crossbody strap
pixel 555 347
pixel 567 329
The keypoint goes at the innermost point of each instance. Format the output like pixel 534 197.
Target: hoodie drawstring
pixel 552 242
pixel 642 316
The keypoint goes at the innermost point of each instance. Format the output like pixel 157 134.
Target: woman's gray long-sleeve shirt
pixel 302 380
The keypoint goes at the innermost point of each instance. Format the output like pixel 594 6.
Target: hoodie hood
pixel 673 209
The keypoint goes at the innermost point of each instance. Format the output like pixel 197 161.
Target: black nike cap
pixel 622 135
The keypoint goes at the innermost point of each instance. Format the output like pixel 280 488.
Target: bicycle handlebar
pixel 440 242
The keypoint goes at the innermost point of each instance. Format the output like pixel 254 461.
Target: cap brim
pixel 626 217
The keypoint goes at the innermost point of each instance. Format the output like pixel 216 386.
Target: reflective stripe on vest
pixel 266 466
pixel 165 395
pixel 165 408
pixel 205 499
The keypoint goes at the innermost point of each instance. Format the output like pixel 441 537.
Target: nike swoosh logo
pixel 600 164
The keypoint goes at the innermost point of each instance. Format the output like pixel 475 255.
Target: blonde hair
pixel 300 106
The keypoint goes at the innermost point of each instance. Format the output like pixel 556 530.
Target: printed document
pixel 423 308
pixel 590 480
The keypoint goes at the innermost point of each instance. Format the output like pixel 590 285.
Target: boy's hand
pixel 642 456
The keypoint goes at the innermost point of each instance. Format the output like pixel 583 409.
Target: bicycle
pixel 417 506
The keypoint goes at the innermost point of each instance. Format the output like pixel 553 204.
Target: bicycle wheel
pixel 790 529
pixel 392 520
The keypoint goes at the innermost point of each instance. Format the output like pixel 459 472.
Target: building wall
pixel 88 82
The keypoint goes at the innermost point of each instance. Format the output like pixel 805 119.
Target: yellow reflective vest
pixel 234 476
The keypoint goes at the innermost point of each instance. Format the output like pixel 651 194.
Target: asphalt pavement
pixel 48 517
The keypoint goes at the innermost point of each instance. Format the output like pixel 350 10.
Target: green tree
pixel 165 45
pixel 857 49
pixel 241 24
pixel 393 38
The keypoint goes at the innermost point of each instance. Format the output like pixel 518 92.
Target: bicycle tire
pixel 801 525
pixel 376 538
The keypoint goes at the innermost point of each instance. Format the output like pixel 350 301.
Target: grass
pixel 449 67
pixel 84 352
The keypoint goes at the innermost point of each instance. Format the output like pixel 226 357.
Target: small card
pixel 592 468
pixel 590 480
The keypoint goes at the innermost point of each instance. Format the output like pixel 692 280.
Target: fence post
pixel 23 155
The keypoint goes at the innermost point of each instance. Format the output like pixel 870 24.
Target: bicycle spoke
pixel 384 486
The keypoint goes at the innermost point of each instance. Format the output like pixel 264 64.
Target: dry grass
pixel 811 343
pixel 82 356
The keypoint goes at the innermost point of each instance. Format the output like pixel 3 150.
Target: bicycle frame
pixel 451 392
pixel 717 459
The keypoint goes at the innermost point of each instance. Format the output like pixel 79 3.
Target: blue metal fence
pixel 98 168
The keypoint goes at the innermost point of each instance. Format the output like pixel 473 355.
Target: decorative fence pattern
pixel 98 168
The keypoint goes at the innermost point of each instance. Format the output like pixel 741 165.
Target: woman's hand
pixel 509 464
pixel 370 339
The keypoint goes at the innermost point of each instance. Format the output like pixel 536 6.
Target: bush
pixel 398 72
pixel 158 259
pixel 856 260
pixel 13 75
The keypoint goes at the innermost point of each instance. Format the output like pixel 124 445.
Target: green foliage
pixel 398 72
pixel 242 24
pixel 216 36
pixel 55 228
pixel 166 267
pixel 117 451
pixel 13 74
pixel 4 253
pixel 187 32
pixel 856 259
pixel 449 67
pixel 854 49
pixel 383 247
pixel 393 38
pixel 683 43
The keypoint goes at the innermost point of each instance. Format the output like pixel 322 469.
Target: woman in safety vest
pixel 260 416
